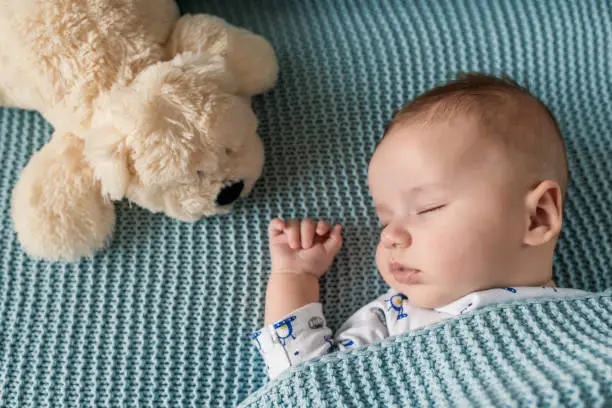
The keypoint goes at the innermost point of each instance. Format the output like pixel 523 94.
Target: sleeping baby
pixel 468 182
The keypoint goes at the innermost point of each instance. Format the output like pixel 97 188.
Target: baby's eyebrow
pixel 424 192
pixel 425 188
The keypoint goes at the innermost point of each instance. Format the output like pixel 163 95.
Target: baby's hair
pixel 507 110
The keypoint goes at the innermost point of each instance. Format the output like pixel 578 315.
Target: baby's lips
pixel 395 265
pixel 407 276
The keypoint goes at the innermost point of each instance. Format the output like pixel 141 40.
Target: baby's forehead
pixel 437 152
pixel 522 129
pixel 448 137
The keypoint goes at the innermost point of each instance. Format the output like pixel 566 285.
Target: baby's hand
pixel 303 247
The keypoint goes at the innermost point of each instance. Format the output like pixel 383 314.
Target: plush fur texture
pixel 146 105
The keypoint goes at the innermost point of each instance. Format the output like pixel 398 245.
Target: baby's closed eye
pixel 430 209
pixel 383 221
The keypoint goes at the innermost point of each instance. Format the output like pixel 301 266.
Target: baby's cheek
pixel 457 257
pixel 382 262
pixel 445 245
pixel 380 258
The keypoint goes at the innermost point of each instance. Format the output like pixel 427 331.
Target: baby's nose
pixel 394 236
pixel 230 193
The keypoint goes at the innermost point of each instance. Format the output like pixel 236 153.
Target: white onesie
pixel 303 334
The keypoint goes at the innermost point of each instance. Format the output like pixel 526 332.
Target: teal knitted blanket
pixel 163 317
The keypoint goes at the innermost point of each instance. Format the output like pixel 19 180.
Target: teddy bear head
pixel 178 139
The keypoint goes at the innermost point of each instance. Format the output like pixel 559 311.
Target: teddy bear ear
pixel 249 57
pixel 229 119
pixel 106 152
pixel 203 70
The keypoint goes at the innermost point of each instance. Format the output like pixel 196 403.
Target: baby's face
pixel 451 208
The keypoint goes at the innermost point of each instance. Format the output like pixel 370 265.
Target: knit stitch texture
pixel 163 317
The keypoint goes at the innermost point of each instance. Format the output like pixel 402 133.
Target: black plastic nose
pixel 230 193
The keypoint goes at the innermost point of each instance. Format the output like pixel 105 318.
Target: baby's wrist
pixel 294 272
pixel 287 292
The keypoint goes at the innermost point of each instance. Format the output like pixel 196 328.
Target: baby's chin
pixel 428 296
pixel 430 299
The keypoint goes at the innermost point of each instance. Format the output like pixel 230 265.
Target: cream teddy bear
pixel 146 105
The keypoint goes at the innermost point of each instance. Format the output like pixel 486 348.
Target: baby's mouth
pixel 404 274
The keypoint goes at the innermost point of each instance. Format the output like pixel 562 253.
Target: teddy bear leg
pixel 57 208
pixel 249 56
pixel 6 101
pixel 16 88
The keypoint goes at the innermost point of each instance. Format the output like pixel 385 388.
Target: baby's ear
pixel 544 216
pixel 106 152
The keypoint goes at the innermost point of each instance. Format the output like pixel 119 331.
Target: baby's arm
pixel 301 253
pixel 295 328
pixel 303 335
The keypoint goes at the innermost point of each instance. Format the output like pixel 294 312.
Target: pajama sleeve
pixel 366 326
pixel 297 337
pixel 303 335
